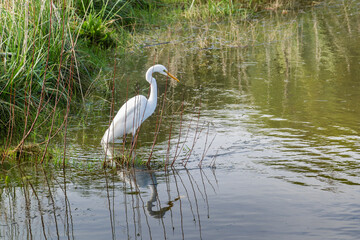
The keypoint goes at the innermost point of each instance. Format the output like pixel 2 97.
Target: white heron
pixel 136 110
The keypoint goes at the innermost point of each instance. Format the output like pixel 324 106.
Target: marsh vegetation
pixel 54 54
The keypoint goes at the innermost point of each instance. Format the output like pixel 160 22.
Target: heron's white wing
pixel 128 118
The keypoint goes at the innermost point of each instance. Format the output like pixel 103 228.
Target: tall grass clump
pixel 48 53
pixel 37 56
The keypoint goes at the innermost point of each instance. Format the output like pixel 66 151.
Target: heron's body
pixel 136 110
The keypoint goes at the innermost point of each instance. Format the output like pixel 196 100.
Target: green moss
pixel 28 152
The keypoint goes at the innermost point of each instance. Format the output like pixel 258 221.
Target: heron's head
pixel 162 70
pixel 159 69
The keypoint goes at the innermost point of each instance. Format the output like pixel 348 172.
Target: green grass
pixel 49 55
pixel 37 56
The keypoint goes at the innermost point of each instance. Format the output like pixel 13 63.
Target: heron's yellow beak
pixel 172 76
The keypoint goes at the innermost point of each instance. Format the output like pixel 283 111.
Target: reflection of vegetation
pixel 279 48
pixel 48 203
pixel 239 8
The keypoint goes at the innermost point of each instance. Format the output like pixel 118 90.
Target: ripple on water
pixel 298 152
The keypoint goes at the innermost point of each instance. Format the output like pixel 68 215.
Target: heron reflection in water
pixel 138 178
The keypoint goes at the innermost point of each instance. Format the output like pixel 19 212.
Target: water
pixel 282 109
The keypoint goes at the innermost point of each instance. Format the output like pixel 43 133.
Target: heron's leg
pixel 132 140
pixel 124 138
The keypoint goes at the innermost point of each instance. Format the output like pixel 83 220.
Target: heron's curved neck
pixel 153 93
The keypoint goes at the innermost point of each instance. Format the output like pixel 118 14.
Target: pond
pixel 270 110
